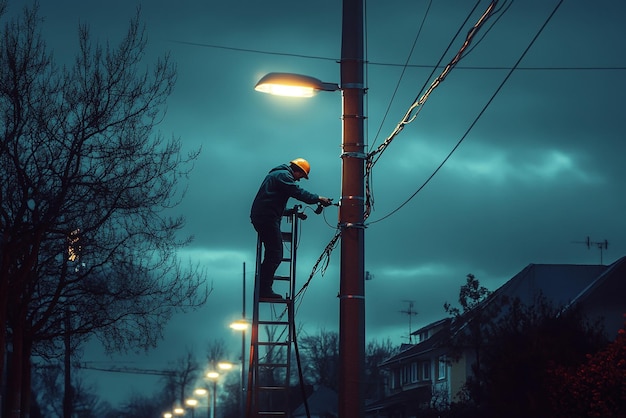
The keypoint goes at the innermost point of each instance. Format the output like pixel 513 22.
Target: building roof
pixel 417 396
pixel 559 283
pixel 600 288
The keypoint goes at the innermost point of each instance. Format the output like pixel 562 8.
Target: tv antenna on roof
pixel 410 312
pixel 601 245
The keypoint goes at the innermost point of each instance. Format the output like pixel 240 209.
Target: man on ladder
pixel 267 211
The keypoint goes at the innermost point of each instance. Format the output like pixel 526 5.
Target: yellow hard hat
pixel 303 165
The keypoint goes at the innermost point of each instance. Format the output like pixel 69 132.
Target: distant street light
pixel 213 376
pixel 192 403
pixel 224 365
pixel 242 326
pixel 203 392
pixel 239 325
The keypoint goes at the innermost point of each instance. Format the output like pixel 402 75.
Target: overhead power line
pixel 475 120
pixel 415 108
pixel 390 64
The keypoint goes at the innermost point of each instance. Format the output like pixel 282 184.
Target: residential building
pixel 421 375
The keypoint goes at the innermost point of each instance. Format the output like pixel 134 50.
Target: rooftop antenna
pixel 601 245
pixel 410 312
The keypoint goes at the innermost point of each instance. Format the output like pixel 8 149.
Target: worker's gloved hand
pixel 324 201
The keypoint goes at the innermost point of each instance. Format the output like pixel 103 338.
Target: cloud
pixel 539 167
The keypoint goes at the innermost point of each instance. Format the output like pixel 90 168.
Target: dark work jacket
pixel 271 199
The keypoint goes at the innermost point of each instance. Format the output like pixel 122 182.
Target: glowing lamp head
pixel 240 325
pixel 292 85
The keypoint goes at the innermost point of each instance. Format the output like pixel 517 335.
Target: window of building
pixel 426 370
pixel 406 371
pixel 443 366
pixel 394 379
pixel 414 372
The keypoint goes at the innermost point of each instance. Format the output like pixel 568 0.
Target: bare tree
pixel 375 353
pixel 215 352
pixel 322 358
pixel 187 372
pixel 88 245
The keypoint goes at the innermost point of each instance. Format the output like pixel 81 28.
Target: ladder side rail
pixel 294 246
pixel 295 227
pixel 252 393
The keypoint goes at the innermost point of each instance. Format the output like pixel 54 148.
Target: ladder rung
pixel 272 413
pixel 274 300
pixel 273 365
pixel 272 388
pixel 273 323
pixel 286 260
pixel 283 278
pixel 269 343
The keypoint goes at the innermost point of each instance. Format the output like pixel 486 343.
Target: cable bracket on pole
pixel 351 297
pixel 346 225
pixel 353 86
pixel 360 155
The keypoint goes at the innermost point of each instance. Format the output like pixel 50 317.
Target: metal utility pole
pixel 352 215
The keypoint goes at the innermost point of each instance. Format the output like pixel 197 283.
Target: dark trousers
pixel 272 239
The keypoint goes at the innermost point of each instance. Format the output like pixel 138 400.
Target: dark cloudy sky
pixel 542 167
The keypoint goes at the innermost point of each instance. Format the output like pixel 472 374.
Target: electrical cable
pixel 499 12
pixel 389 64
pixel 404 68
pixel 479 114
pixel 417 104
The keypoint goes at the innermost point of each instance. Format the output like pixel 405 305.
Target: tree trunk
pixel 26 377
pixel 67 392
pixel 4 297
pixel 14 380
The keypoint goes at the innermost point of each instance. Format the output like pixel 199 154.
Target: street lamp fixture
pixel 167 415
pixel 204 392
pixel 201 392
pixel 224 365
pixel 179 411
pixel 293 85
pixel 192 403
pixel 212 375
pixel 239 325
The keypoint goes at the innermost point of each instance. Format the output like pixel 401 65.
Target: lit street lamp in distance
pixel 223 365
pixel 239 325
pixel 205 392
pixel 192 403
pixel 179 411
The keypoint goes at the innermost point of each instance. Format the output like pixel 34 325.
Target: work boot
pixel 268 293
